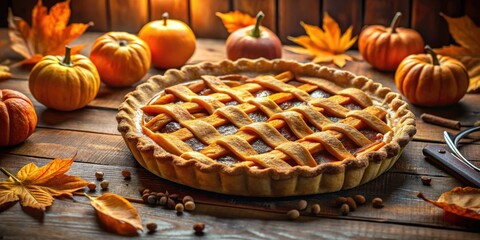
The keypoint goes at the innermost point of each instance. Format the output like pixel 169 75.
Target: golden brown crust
pixel 244 180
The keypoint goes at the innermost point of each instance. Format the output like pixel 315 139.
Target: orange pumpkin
pixel 121 58
pixel 254 42
pixel 384 48
pixel 64 83
pixel 18 119
pixel 431 80
pixel 171 42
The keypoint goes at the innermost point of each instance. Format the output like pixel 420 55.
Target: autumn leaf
pixel 48 34
pixel 235 20
pixel 117 214
pixel 465 33
pixel 326 44
pixel 36 187
pixel 5 73
pixel 460 201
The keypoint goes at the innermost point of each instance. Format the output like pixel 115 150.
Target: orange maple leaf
pixel 36 187
pixel 324 45
pixel 460 201
pixel 465 33
pixel 117 214
pixel 236 20
pixel 48 34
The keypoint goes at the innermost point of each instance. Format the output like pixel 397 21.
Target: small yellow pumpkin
pixel 64 83
pixel 121 58
pixel 431 79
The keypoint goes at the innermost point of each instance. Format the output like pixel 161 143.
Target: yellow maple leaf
pixel 235 20
pixel 48 34
pixel 324 44
pixel 36 187
pixel 460 201
pixel 465 33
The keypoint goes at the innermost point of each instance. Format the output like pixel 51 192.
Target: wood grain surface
pixel 91 134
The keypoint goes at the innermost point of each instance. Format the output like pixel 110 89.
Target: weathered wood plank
pixel 346 13
pixel 289 19
pixel 204 22
pixel 128 15
pixel 252 7
pixel 177 9
pixel 378 12
pixel 87 147
pixel 90 11
pixel 427 21
pixel 397 190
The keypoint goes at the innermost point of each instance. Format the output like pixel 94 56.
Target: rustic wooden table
pixel 92 134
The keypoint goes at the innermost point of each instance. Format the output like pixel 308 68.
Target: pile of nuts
pixel 302 205
pixel 350 204
pixel 168 200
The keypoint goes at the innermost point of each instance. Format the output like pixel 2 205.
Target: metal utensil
pixel 447 161
pixel 453 141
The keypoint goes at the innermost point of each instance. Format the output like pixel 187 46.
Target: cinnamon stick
pixel 440 121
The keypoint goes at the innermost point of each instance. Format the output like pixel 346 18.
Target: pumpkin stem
pixel 122 43
pixel 395 22
pixel 165 17
pixel 256 30
pixel 67 61
pixel 10 175
pixel 434 56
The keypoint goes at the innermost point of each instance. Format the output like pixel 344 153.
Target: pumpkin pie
pixel 265 128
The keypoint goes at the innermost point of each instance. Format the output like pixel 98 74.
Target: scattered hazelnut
pixel 126 173
pixel 170 203
pixel 104 184
pixel 359 199
pixel 293 214
pixel 344 209
pixel 190 206
pixel 199 227
pixel 99 175
pixel 179 207
pixel 163 201
pixel 351 204
pixel 301 205
pixel 145 197
pixel 92 186
pixel 152 227
pixel 339 201
pixel 316 209
pixel 187 199
pixel 426 180
pixel 377 202
pixel 146 191
pixel 151 199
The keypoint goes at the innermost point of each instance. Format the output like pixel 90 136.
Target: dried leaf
pixel 324 45
pixel 473 66
pixel 48 34
pixel 460 201
pixel 5 73
pixel 235 20
pixel 36 187
pixel 117 214
pixel 465 33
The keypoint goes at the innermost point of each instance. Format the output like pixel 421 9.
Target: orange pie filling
pixel 266 121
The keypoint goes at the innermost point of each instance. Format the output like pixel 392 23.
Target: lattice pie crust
pixel 265 128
